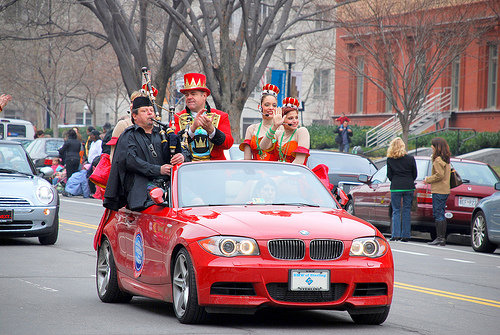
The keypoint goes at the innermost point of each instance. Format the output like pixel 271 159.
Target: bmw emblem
pixel 304 232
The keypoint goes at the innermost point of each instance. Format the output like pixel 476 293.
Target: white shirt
pixel 95 150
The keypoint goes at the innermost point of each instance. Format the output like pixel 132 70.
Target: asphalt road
pixel 51 290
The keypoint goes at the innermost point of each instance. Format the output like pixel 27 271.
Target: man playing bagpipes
pixel 206 131
pixel 142 158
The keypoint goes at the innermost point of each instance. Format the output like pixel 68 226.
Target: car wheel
pixel 349 207
pixel 106 276
pixel 479 234
pixel 370 318
pixel 52 237
pixel 184 291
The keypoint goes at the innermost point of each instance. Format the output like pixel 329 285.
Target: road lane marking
pixel 38 286
pixel 74 231
pixel 447 294
pixel 80 224
pixel 410 252
pixel 458 260
pixel 82 202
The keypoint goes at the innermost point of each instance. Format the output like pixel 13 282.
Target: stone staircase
pixel 435 109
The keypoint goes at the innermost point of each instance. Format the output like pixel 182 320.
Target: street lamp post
pixel 85 110
pixel 289 60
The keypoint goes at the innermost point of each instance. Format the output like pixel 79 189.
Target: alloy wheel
pixel 181 285
pixel 103 268
pixel 478 231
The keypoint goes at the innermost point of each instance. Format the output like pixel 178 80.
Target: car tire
pixel 349 207
pixel 370 318
pixel 479 234
pixel 106 276
pixel 52 237
pixel 184 292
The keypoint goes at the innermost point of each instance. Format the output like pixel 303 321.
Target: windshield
pixel 13 157
pixel 422 168
pixel 342 163
pixel 52 147
pixel 476 174
pixel 250 183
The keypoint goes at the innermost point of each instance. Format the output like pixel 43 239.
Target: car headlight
pixel 44 194
pixel 372 247
pixel 230 246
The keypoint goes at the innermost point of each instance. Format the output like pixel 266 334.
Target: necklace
pixel 258 143
pixel 262 154
pixel 281 153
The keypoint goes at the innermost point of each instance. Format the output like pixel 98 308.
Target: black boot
pixel 441 234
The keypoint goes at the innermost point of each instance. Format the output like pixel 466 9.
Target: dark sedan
pixel 42 150
pixel 343 168
pixel 372 201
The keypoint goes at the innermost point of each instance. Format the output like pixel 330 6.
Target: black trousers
pixel 72 165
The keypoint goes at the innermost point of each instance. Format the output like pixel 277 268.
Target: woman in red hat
pixel 291 142
pixel 255 132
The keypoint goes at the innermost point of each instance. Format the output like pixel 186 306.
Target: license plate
pixel 309 280
pixel 6 216
pixel 467 202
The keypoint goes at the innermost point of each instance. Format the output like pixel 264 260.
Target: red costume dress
pixel 201 147
pixel 287 151
pixel 257 152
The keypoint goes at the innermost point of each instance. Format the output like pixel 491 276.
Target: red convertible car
pixel 237 236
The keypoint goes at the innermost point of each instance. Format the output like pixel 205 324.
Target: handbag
pixel 101 171
pixel 455 179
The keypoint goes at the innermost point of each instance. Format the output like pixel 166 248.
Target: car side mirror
pixel 363 178
pixel 156 194
pixel 46 172
pixel 497 186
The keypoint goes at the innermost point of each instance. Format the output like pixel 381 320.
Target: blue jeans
pixel 344 147
pixel 438 206
pixel 401 215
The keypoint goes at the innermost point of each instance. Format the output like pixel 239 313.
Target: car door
pixel 381 196
pixel 365 196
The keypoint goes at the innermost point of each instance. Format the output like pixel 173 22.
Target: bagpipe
pixel 169 139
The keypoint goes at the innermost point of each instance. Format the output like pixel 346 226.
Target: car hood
pixel 20 186
pixel 267 222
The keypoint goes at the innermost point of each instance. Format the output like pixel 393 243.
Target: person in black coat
pixel 402 172
pixel 70 153
pixel 138 161
pixel 343 138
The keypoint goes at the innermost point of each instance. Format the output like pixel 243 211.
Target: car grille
pixel 325 249
pixel 296 249
pixel 370 289
pixel 287 249
pixel 16 225
pixel 280 292
pixel 233 288
pixel 13 202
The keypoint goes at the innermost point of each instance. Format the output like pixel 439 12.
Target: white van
pixel 12 129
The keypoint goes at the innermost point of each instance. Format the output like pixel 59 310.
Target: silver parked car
pixel 485 225
pixel 29 205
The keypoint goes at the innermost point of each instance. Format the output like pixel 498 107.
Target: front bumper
pixel 30 221
pixel 254 282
